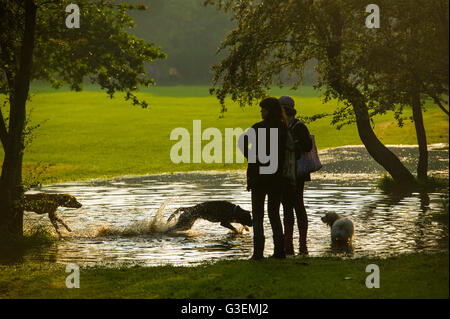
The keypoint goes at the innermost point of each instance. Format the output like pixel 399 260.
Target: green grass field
pixel 406 276
pixel 88 135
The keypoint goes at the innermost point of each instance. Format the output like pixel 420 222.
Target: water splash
pixel 156 224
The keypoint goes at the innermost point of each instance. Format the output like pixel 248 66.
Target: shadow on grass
pixel 404 276
pixel 35 237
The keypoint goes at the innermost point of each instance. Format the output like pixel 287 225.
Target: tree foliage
pixel 407 55
pixel 368 70
pixel 102 49
pixel 36 44
pixel 274 38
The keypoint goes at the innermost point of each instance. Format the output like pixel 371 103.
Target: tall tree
pixel 276 37
pixel 35 43
pixel 407 63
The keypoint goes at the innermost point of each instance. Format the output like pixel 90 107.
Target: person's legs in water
pixel 302 219
pixel 258 197
pixel 288 197
pixel 274 199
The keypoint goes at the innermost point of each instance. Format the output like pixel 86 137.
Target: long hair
pixel 276 111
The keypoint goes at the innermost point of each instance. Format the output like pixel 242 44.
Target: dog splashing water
pixel 154 225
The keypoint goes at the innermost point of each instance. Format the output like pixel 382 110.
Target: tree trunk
pixel 11 216
pixel 422 167
pixel 379 152
pixel 11 191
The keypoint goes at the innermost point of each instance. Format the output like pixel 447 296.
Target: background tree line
pixel 190 34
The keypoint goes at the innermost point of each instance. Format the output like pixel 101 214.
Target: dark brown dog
pixel 213 211
pixel 42 203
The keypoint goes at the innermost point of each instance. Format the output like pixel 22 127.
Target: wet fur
pixel 42 203
pixel 342 228
pixel 213 211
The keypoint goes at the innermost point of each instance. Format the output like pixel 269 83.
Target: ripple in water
pixel 124 220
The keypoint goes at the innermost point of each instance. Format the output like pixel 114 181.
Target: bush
pixel 388 185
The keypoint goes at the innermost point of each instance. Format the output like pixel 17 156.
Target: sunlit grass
pixel 406 276
pixel 87 135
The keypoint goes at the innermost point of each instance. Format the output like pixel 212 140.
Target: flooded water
pixel 123 220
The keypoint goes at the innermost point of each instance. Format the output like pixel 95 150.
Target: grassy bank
pixel 407 276
pixel 87 135
pixel 431 184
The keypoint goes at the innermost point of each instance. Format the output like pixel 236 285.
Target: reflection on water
pixel 123 220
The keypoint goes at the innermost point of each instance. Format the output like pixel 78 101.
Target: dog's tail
pixel 181 209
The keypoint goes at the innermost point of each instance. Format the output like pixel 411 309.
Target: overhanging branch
pixel 3 131
pixel 438 103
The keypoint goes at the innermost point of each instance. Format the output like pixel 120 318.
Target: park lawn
pixel 405 276
pixel 88 135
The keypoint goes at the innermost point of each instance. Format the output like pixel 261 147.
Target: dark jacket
pixel 254 177
pixel 303 143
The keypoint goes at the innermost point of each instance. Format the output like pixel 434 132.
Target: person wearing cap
pixel 292 198
pixel 270 185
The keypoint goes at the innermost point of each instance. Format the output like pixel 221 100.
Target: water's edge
pixel 123 219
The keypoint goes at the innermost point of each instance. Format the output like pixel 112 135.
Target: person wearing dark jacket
pixel 267 184
pixel 292 198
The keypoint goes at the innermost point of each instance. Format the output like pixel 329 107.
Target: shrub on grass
pixel 387 184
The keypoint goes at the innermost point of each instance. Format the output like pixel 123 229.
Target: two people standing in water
pixel 278 114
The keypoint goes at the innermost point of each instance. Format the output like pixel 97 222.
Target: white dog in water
pixel 342 228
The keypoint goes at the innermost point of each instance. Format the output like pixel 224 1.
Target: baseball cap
pixel 287 102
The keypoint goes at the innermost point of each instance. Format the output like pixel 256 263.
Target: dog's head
pixel 69 201
pixel 330 218
pixel 243 216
